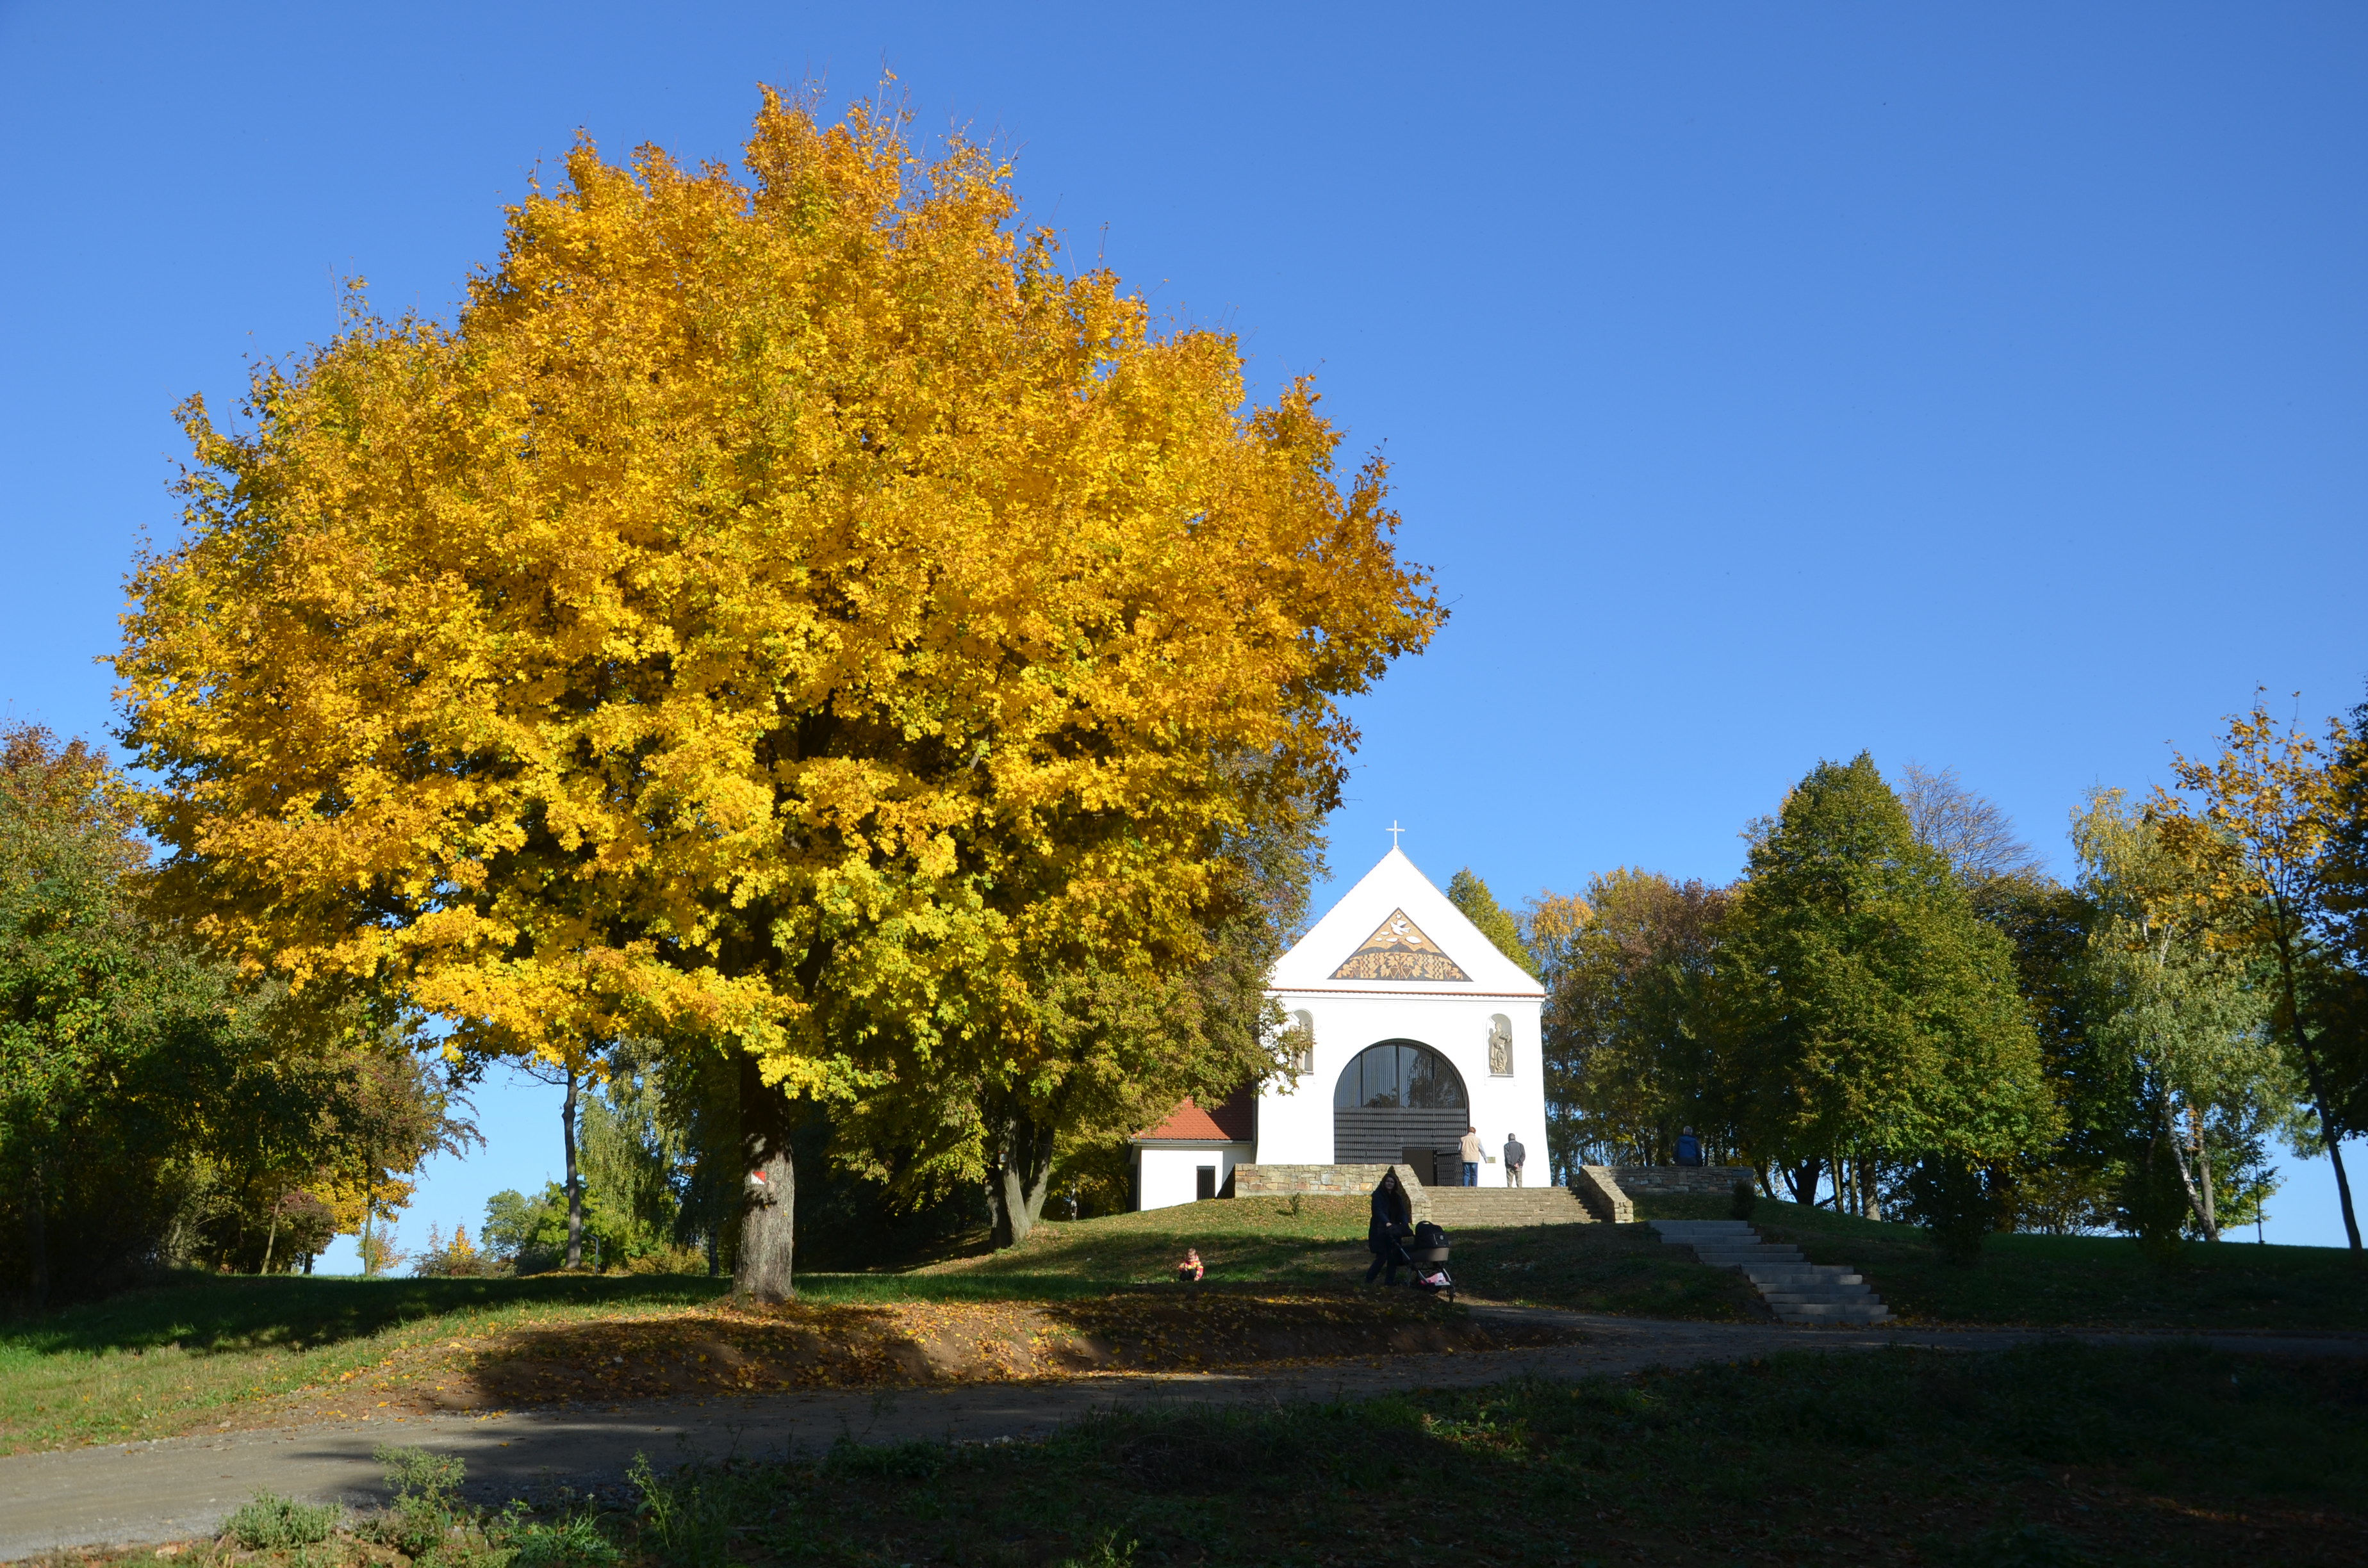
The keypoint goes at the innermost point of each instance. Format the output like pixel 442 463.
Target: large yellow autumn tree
pixel 789 612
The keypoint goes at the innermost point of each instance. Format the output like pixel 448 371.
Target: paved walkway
pixel 176 1488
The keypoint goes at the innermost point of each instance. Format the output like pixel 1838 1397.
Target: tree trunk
pixel 574 1187
pixel 37 1233
pixel 1803 1179
pixel 768 1191
pixel 1017 1177
pixel 2334 1136
pixel 2326 1129
pixel 271 1237
pixel 2204 1176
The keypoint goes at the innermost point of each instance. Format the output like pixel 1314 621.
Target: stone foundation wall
pixel 1702 1181
pixel 1327 1181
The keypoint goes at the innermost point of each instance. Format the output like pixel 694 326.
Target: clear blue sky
pixel 1979 385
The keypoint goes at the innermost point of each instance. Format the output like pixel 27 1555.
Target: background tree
pixel 1970 831
pixel 153 1109
pixel 791 614
pixel 2335 995
pixel 1117 1049
pixel 572 1067
pixel 1875 1016
pixel 1467 892
pixel 2270 808
pixel 2179 1025
pixel 1632 1050
pixel 2066 1187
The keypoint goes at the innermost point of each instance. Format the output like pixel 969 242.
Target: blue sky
pixel 1982 386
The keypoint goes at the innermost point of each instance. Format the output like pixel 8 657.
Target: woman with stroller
pixel 1392 1218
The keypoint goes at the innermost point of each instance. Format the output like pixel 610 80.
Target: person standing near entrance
pixel 1514 1155
pixel 1471 1149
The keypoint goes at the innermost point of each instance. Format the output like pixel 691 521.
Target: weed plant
pixel 269 1522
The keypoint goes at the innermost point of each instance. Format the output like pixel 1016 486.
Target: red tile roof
pixel 1232 1122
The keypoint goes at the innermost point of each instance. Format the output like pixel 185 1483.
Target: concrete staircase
pixel 1486 1208
pixel 1797 1290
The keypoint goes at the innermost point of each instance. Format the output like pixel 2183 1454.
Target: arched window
pixel 1399 1075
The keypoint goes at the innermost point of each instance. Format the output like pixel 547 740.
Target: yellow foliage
pixel 778 609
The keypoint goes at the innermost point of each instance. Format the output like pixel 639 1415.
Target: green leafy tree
pixel 2181 1027
pixel 2268 819
pixel 1875 1014
pixel 1117 1047
pixel 1634 1054
pixel 152 1108
pixel 1467 892
pixel 2069 1187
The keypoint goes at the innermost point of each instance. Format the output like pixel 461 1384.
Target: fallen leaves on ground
pixel 730 1348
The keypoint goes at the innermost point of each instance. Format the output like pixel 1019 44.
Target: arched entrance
pixel 1393 1097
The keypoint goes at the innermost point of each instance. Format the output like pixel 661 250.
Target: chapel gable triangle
pixel 1398 950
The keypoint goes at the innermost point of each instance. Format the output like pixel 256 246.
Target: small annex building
pixel 1420 1028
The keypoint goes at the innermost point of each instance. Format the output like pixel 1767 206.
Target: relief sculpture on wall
pixel 1500 1046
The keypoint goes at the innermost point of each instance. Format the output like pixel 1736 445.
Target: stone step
pixel 1486 1206
pixel 1795 1290
pixel 1741 1254
pixel 1795 1278
pixel 1834 1312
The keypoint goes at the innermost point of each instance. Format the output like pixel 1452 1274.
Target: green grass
pixel 2069 1281
pixel 2056 1454
pixel 152 1362
pixel 1319 1244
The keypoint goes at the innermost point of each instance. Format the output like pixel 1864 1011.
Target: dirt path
pixel 180 1487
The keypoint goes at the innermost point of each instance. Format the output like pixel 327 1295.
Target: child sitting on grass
pixel 1189 1272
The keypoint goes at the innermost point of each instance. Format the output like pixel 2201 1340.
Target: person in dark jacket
pixel 1688 1148
pixel 1392 1218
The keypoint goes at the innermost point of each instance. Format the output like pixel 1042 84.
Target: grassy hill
pixel 2069 1281
pixel 208 1351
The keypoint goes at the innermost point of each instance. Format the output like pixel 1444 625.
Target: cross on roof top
pixel 1395 831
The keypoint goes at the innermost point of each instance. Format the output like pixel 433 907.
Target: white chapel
pixel 1421 1027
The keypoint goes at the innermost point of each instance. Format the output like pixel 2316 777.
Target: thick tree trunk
pixel 768 1191
pixel 1803 1179
pixel 574 1187
pixel 37 1234
pixel 1017 1177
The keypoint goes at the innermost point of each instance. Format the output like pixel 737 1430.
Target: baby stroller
pixel 1428 1253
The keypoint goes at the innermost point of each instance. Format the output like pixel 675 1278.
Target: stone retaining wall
pixel 1701 1181
pixel 1327 1181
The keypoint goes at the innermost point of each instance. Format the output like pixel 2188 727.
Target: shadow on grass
pixel 208 1314
pixel 2055 1454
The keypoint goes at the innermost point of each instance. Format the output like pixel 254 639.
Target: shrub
pixel 269 1522
pixel 1746 1198
pixel 572 1542
pixel 1956 1202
